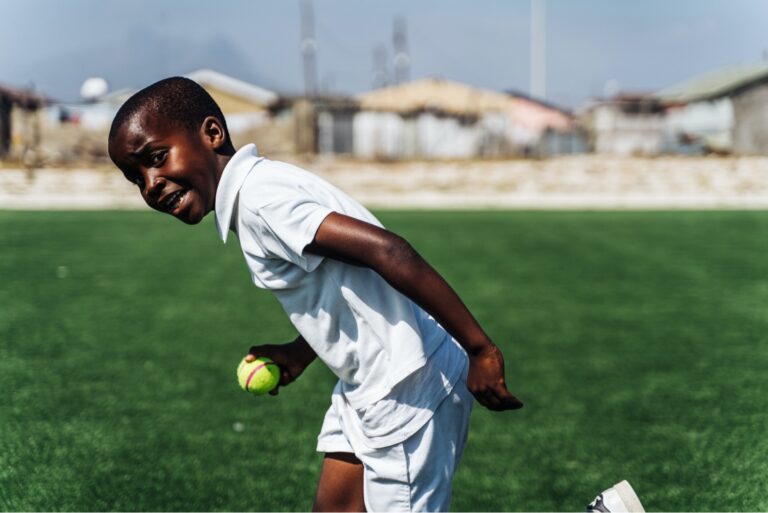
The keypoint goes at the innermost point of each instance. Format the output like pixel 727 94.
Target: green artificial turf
pixel 638 341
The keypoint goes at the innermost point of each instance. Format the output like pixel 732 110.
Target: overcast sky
pixel 639 45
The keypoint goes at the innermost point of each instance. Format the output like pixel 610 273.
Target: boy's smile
pixel 176 169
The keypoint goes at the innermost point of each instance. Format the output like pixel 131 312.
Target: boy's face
pixel 175 169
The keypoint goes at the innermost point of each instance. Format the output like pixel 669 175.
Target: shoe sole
pixel 629 497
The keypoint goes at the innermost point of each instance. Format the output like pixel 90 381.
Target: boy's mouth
pixel 172 201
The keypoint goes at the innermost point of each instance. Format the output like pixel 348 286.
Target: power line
pixel 308 47
pixel 380 73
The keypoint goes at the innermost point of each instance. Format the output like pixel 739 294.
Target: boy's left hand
pixel 292 358
pixel 486 380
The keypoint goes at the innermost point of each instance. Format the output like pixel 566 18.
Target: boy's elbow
pixel 398 251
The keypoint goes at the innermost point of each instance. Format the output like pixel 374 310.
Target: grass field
pixel 639 342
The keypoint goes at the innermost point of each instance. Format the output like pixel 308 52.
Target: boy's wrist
pixel 478 347
pixel 304 352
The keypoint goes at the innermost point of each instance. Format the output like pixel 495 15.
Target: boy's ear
pixel 213 132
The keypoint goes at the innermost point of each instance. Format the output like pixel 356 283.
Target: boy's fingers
pixel 265 350
pixel 256 351
pixel 513 403
pixel 249 358
pixel 491 402
pixel 499 399
pixel 509 401
pixel 496 404
pixel 488 398
pixel 285 377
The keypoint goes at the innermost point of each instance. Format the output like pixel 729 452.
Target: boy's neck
pixel 222 160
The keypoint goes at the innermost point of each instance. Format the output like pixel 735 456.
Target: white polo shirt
pixel 370 335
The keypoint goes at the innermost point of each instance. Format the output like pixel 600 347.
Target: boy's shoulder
pixel 273 181
pixel 270 181
pixel 249 183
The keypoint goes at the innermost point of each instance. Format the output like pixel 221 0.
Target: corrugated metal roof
pixel 457 99
pixel 514 93
pixel 24 98
pixel 233 86
pixel 434 94
pixel 715 84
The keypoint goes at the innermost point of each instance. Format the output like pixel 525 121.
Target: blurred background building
pixel 20 122
pixel 402 118
pixel 722 112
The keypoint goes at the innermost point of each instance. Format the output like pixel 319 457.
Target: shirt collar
pixel 231 181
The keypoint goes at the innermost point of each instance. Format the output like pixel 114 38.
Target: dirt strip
pixel 581 182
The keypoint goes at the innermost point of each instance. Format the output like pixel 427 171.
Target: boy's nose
pixel 155 185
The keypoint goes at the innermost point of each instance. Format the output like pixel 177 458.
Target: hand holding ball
pixel 259 376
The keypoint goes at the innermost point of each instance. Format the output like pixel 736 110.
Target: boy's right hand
pixel 486 380
pixel 292 358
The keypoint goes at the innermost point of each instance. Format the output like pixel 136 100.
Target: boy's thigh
pixel 417 475
pixel 340 487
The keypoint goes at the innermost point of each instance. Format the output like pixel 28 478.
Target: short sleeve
pixel 291 224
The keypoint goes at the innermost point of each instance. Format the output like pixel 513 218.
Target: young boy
pixel 406 350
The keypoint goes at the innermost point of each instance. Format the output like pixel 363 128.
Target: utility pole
pixel 538 88
pixel 402 59
pixel 308 48
pixel 380 75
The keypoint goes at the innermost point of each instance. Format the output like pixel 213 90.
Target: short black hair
pixel 178 99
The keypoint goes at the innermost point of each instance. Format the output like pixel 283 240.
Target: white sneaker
pixel 618 498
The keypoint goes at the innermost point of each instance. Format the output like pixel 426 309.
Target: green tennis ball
pixel 259 376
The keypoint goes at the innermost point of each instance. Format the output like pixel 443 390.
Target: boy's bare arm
pixel 357 242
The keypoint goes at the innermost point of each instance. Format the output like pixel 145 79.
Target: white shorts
pixel 417 474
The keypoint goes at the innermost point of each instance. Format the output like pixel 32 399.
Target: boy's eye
pixel 157 158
